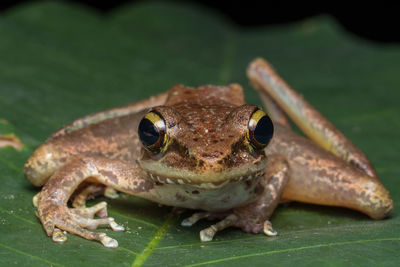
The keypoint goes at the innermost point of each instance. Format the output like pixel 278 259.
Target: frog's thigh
pixel 273 109
pixel 321 178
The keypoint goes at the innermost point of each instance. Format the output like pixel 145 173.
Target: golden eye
pixel 152 132
pixel 260 129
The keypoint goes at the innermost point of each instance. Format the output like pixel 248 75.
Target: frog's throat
pixel 204 180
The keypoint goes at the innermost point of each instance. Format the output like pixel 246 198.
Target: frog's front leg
pixel 252 217
pixel 52 208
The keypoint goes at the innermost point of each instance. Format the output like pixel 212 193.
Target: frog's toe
pixel 84 217
pixel 99 209
pixel 94 223
pixel 108 242
pixel 111 193
pixel 268 230
pixel 57 218
pixel 58 236
pixel 102 237
pixel 91 191
pixel 75 225
pixel 250 225
pixel 195 218
pixel 88 192
pixel 178 211
pixel 208 233
pixel 35 199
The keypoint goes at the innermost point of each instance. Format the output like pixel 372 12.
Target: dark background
pixel 376 21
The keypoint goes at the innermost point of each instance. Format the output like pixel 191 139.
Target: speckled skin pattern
pixel 207 162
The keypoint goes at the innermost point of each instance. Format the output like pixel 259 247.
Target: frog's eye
pixel 152 132
pixel 260 129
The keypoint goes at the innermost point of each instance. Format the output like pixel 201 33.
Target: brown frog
pixel 205 149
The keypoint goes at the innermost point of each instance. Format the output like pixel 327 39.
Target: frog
pixel 203 149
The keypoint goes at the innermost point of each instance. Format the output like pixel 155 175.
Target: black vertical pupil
pixel 148 132
pixel 264 130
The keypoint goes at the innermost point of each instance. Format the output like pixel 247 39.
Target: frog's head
pixel 206 146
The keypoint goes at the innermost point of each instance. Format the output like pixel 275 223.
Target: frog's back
pixel 231 95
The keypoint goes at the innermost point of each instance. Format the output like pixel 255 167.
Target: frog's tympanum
pixel 203 149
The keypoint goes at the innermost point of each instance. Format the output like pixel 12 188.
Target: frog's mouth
pixel 205 180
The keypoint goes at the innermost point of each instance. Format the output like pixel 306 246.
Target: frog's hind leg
pixel 309 120
pixel 341 177
pixel 273 110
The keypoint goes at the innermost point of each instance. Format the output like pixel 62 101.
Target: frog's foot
pixel 91 191
pixel 208 233
pixel 87 192
pixel 229 220
pixel 178 211
pixel 99 209
pixel 254 227
pixel 57 218
pixel 195 218
pixel 110 192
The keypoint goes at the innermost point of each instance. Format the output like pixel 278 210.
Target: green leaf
pixel 60 61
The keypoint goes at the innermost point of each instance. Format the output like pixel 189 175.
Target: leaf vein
pixel 18 217
pixel 134 219
pixel 29 255
pixel 257 237
pixel 293 249
pixel 11 166
pixel 128 250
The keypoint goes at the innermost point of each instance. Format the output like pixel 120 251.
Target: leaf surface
pixel 61 61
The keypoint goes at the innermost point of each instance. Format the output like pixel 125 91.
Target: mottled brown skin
pixel 207 163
